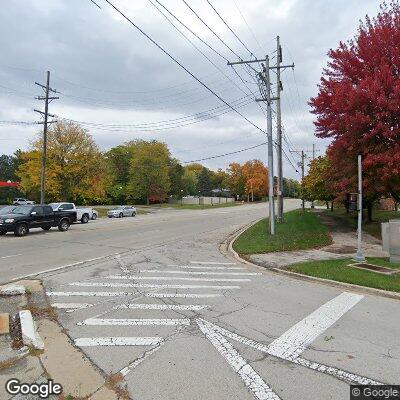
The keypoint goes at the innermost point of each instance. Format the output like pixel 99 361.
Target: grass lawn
pixel 299 232
pixel 374 227
pixel 338 270
pixel 197 206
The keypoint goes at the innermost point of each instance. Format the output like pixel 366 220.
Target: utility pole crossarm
pixel 245 62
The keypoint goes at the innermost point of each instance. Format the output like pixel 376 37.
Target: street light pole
pixel 359 256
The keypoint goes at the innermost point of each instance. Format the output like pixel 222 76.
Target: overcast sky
pixel 108 73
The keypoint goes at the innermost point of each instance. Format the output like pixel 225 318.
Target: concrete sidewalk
pixel 344 245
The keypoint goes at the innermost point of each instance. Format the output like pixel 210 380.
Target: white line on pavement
pixel 173 278
pixel 117 341
pixel 134 321
pixel 125 371
pixel 184 295
pixel 90 294
pixel 294 341
pixel 333 371
pixel 200 272
pixel 251 379
pixel 13 255
pixel 136 306
pixel 202 267
pixel 150 285
pixel 74 306
pixel 212 263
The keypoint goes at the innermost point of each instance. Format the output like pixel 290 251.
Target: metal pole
pixel 279 131
pixel 313 157
pixel 360 255
pixel 270 150
pixel 302 179
pixel 44 155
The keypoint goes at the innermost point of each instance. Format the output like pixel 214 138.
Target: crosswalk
pixel 153 303
pixel 166 297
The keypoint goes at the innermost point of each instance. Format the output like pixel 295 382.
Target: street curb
pixel 30 336
pixel 294 275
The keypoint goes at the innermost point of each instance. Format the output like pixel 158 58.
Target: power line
pixel 226 24
pixel 182 66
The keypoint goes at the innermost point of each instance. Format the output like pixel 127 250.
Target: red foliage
pixel 358 105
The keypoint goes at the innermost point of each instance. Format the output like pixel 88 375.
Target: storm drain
pixel 375 268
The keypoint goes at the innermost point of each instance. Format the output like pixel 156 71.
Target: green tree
pixel 317 184
pixel 8 168
pixel 149 178
pixel 189 182
pixel 176 178
pixel 204 184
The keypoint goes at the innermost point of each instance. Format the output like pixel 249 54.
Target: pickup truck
pixel 82 214
pixel 23 218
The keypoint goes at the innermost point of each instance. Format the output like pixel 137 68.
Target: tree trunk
pixel 332 205
pixel 369 213
pixel 327 205
pixel 147 200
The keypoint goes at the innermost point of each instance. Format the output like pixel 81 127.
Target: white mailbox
pixel 385 236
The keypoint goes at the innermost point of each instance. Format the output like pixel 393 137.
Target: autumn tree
pixel 358 105
pixel 75 169
pixel 189 182
pixel 256 178
pixel 176 178
pixel 236 181
pixel 149 177
pixel 317 184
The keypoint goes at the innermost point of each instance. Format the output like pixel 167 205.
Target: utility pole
pixel 46 115
pixel 266 97
pixel 267 80
pixel 279 130
pixel 302 165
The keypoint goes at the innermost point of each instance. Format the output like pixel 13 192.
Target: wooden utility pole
pixel 46 115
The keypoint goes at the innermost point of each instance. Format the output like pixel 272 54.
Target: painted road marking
pixel 136 306
pixel 201 267
pixel 200 272
pixel 294 341
pixel 173 278
pixel 212 263
pixel 125 371
pixel 183 295
pixel 90 294
pixel 332 371
pixel 135 321
pixel 12 255
pixel 71 306
pixel 122 265
pixel 118 341
pixel 250 378
pixel 150 285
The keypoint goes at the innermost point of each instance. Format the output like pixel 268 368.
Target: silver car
pixel 122 211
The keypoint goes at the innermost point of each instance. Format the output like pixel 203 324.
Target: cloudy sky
pixel 121 86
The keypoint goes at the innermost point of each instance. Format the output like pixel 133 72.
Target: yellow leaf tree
pixel 75 169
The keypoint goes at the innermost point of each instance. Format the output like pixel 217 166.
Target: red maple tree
pixel 358 106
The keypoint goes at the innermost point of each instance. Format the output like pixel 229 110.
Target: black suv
pixel 23 218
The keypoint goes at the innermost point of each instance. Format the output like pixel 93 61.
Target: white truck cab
pixel 82 214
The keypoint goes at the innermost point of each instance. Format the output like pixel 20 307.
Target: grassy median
pixel 339 270
pixel 300 231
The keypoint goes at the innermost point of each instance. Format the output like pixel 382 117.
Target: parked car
pixel 7 210
pixel 82 214
pixel 19 201
pixel 122 211
pixel 23 218
pixel 95 214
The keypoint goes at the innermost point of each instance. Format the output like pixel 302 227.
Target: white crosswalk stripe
pixel 180 307
pixel 153 271
pixel 150 285
pixel 172 278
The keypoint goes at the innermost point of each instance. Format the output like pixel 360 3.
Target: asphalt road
pixel 180 320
